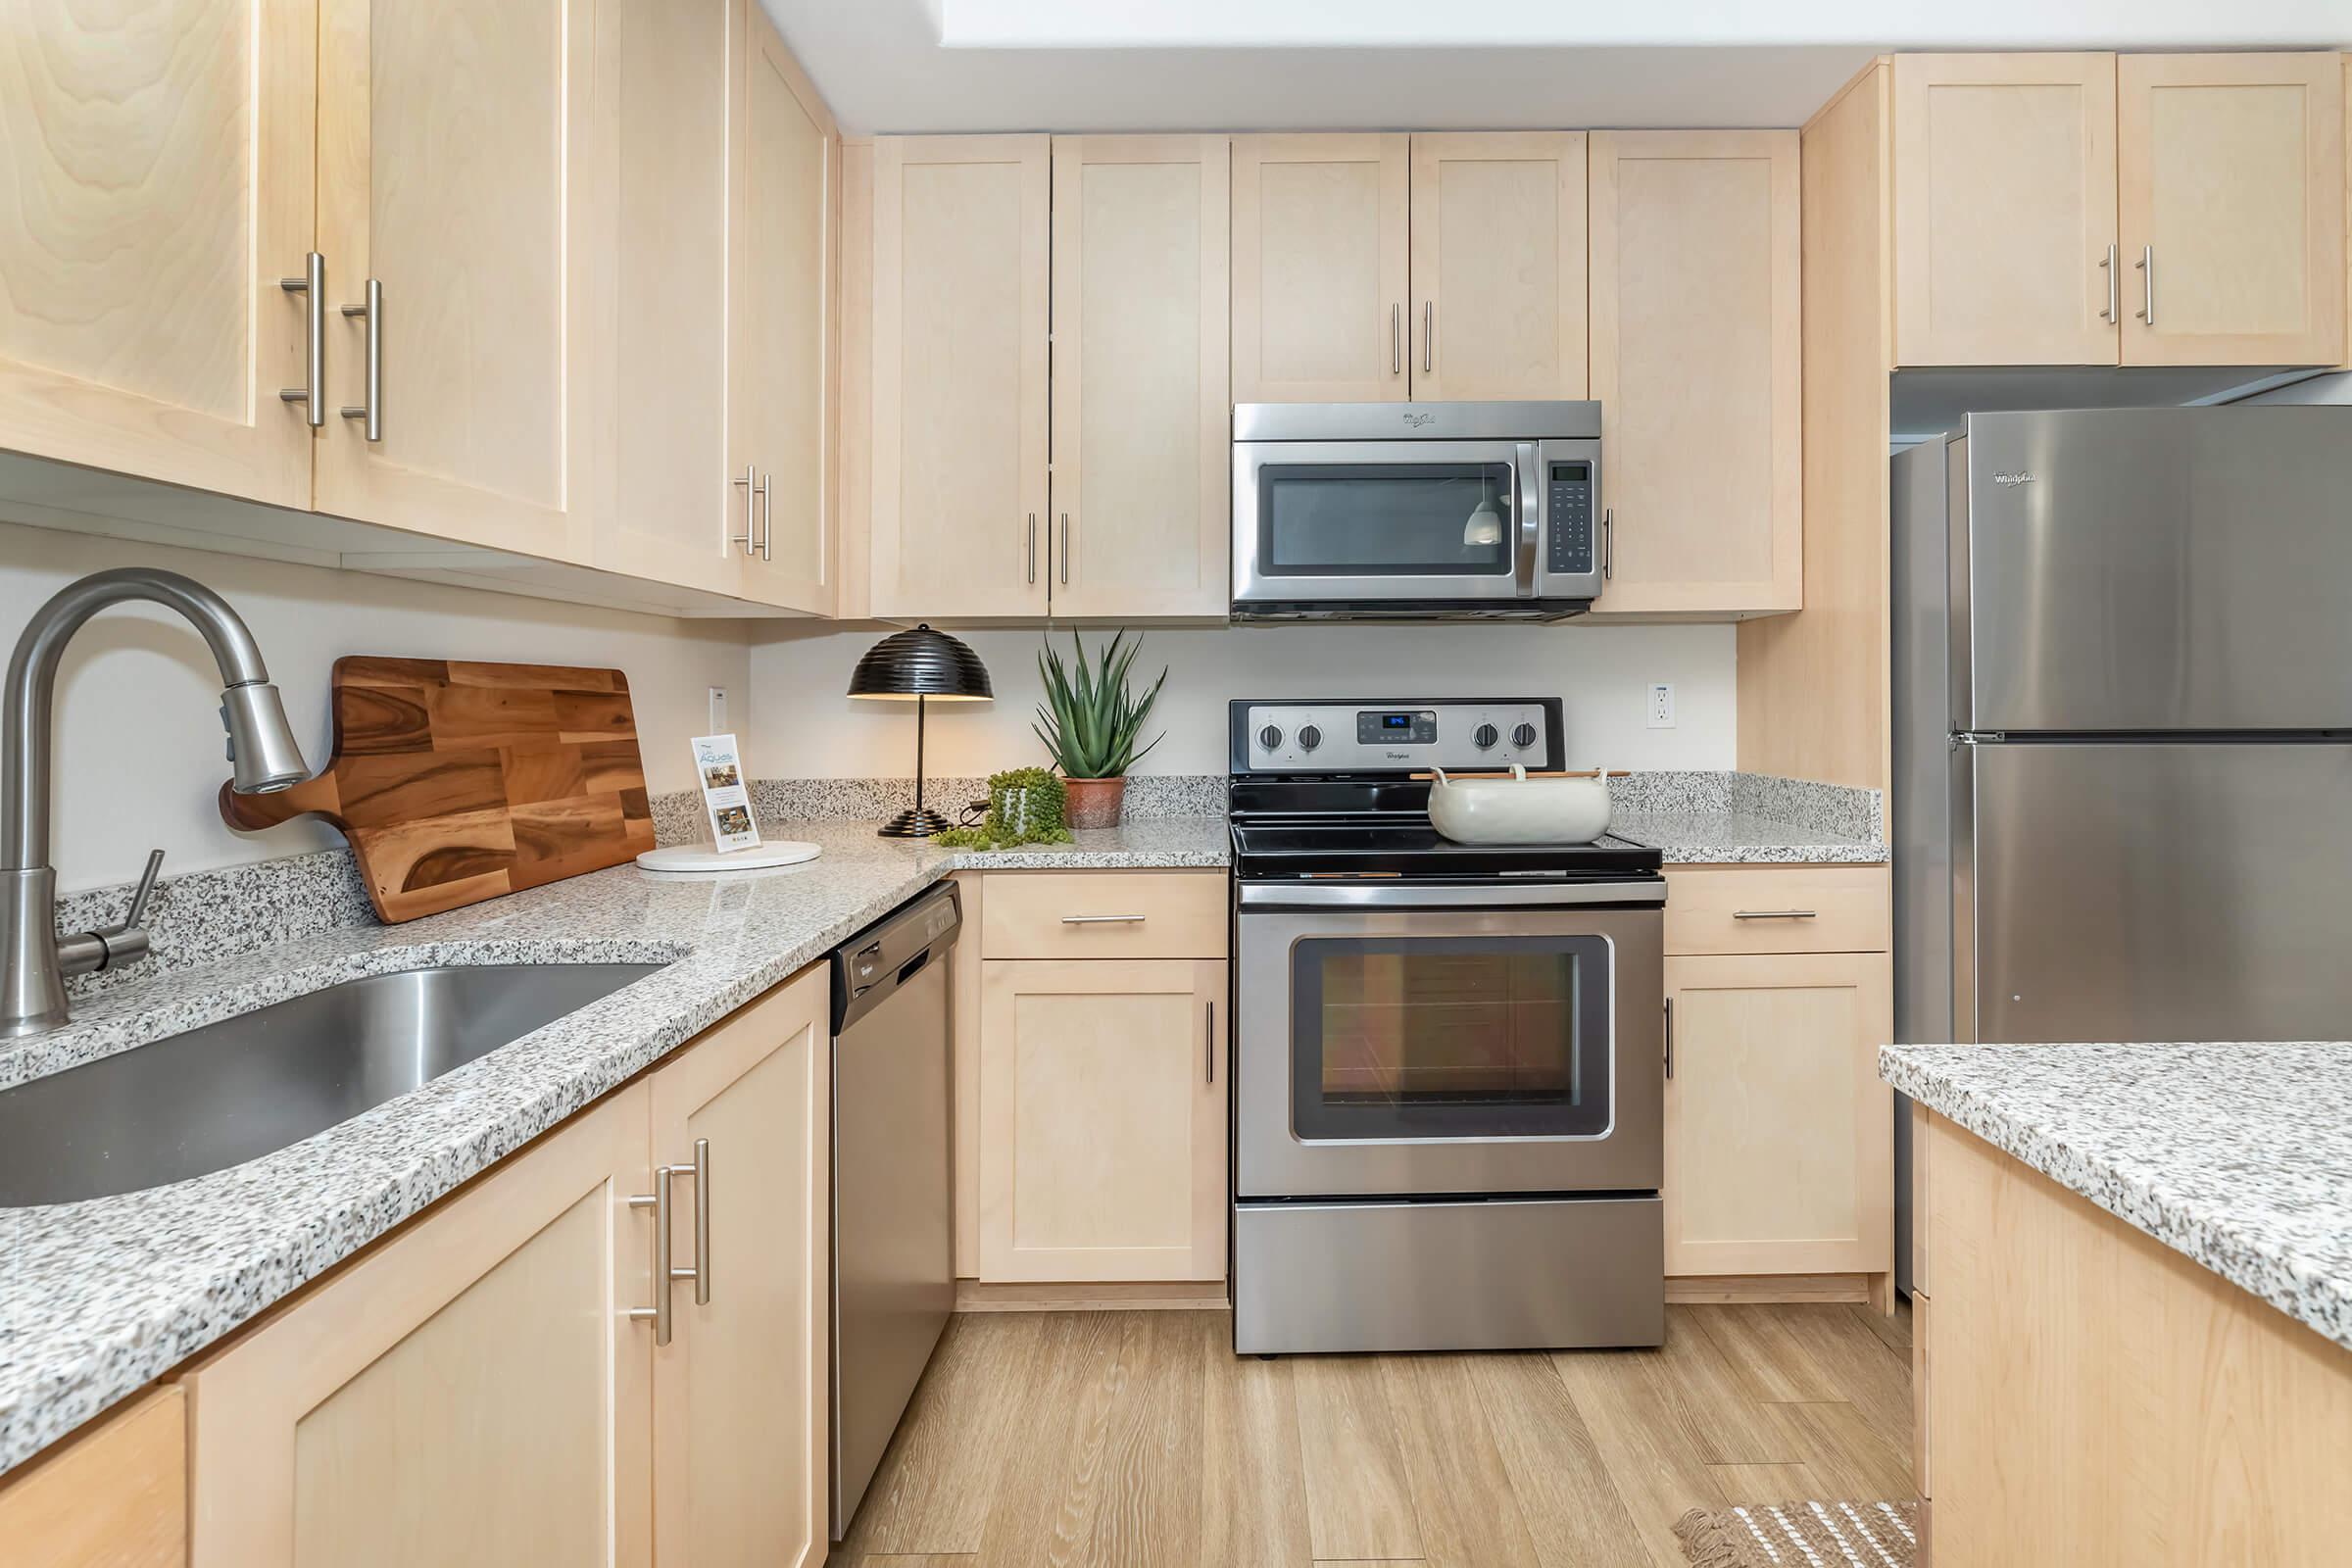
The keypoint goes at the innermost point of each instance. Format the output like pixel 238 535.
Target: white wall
pixel 802 725
pixel 138 749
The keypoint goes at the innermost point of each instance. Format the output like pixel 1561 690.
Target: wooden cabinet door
pixel 960 237
pixel 1780 1137
pixel 470 1390
pixel 1320 248
pixel 1695 362
pixel 1499 265
pixel 1102 1119
pixel 157 186
pixel 2004 210
pixel 2231 189
pixel 1143 443
pixel 115 1493
pixel 457 166
pixel 782 287
pixel 741 1452
pixel 673 72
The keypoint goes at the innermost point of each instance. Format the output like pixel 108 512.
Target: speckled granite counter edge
pixel 2138 1196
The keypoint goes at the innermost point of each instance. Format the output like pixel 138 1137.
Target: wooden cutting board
pixel 459 782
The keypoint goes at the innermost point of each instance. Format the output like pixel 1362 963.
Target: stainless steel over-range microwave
pixel 1416 510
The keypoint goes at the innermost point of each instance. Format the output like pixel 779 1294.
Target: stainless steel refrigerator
pixel 2123 730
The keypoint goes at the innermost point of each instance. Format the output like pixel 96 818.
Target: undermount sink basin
pixel 234 1091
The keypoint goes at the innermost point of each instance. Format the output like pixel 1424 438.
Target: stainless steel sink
pixel 216 1097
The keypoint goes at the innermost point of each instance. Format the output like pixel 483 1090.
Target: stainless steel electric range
pixel 1447 1087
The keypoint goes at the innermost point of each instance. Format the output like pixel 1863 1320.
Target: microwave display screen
pixel 1569 505
pixel 1386 519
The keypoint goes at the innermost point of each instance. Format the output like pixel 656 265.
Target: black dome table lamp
pixel 921 664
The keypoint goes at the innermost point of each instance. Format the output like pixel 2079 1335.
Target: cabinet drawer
pixel 1103 914
pixel 1815 909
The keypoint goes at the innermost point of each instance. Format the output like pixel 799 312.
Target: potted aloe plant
pixel 1090 722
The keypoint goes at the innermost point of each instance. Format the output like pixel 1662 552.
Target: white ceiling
pixel 1286 65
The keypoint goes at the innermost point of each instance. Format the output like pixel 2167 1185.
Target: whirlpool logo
pixel 2012 479
pixel 1416 420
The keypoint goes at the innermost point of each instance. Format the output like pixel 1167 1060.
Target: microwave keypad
pixel 1571 512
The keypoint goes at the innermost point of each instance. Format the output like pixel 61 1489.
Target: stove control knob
pixel 1311 737
pixel 1270 737
pixel 1484 736
pixel 1524 735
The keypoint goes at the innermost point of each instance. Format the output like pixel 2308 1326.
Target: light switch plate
pixel 1661 705
pixel 718 711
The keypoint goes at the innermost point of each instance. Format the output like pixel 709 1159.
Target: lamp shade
pixel 921 662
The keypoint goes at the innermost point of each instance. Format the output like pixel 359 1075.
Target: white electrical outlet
pixel 718 711
pixel 1661 705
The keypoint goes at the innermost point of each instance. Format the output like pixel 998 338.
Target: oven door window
pixel 1384 519
pixel 1426 1037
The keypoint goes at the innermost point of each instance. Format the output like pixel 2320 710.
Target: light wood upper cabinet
pixel 959 425
pixel 2231 197
pixel 2004 210
pixel 782 287
pixel 673 71
pixel 1320 250
pixel 1143 443
pixel 457 161
pixel 1780 1137
pixel 742 1455
pixel 1499 265
pixel 471 1390
pixel 1696 329
pixel 155 186
pixel 1102 1119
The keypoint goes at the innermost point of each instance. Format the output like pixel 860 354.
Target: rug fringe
pixel 1708 1540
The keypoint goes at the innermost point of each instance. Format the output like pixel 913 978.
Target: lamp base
pixel 918 824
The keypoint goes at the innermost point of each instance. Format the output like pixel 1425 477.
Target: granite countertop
pixel 97 1298
pixel 2239 1156
pixel 1736 838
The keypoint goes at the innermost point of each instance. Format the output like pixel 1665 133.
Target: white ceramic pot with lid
pixel 1520 809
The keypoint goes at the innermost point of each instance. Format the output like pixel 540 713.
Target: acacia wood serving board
pixel 457 782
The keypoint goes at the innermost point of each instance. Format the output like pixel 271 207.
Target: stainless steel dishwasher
pixel 893 1267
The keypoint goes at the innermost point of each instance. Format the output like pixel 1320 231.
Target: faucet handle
pixel 144 891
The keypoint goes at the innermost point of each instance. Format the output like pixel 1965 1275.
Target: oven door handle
pixel 1529 495
pixel 1438 895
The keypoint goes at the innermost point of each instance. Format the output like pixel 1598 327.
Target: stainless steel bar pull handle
pixel 658 1201
pixel 2147 284
pixel 766 523
pixel 1208 1044
pixel 1102 920
pixel 371 411
pixel 1428 331
pixel 665 1273
pixel 1033 547
pixel 1396 340
pixel 1775 915
pixel 745 484
pixel 1065 550
pixel 2115 287
pixel 1669 1037
pixel 701 1272
pixel 313 394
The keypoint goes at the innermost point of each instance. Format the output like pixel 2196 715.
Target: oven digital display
pixel 1408 728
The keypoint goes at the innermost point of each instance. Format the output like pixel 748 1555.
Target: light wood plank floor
pixel 1139 1439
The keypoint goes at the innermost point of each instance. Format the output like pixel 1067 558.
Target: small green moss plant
pixel 1024 806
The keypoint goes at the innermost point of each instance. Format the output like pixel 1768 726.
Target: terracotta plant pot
pixel 1094 802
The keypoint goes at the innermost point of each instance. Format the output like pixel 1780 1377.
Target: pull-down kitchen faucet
pixel 33 959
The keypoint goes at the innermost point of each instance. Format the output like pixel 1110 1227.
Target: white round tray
pixel 694 859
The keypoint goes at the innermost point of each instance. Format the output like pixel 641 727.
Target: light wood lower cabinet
pixel 1697 320
pixel 1780 1137
pixel 113 1496
pixel 476 1387
pixel 1102 1119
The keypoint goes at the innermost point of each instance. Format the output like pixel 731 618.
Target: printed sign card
pixel 718 769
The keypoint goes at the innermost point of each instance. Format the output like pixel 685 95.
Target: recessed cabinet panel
pixel 155 186
pixel 1695 362
pixel 2233 209
pixel 2004 210
pixel 1499 265
pixel 1320 248
pixel 1142 439
pixel 960 241
pixel 457 167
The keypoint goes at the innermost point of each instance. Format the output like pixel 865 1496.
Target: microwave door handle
pixel 1528 491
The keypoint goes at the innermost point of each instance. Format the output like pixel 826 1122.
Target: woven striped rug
pixel 1802 1534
